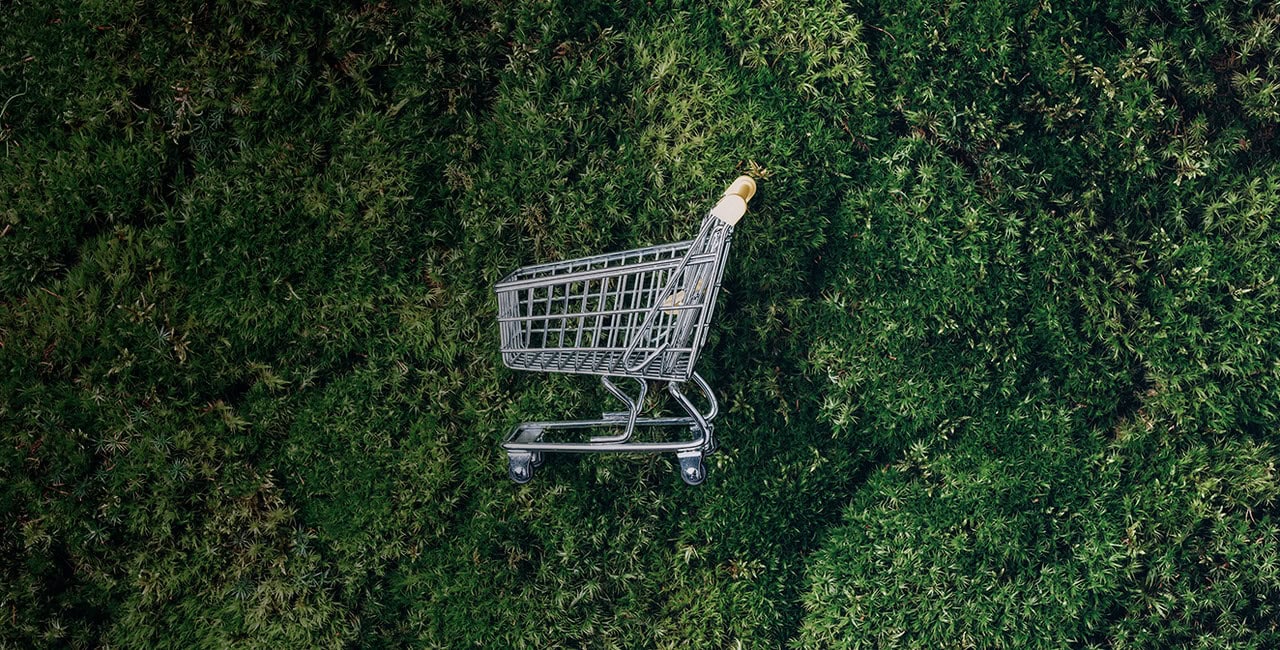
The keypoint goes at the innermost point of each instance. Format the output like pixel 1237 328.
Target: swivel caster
pixel 520 466
pixel 692 471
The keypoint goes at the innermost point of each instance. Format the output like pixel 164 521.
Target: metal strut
pixel 631 414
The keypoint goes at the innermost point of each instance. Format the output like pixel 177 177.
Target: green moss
pixel 996 347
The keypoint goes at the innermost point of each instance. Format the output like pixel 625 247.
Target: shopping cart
pixel 640 314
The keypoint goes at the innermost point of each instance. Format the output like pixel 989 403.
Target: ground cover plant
pixel 998 349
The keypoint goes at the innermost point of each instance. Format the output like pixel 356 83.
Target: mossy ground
pixel 998 347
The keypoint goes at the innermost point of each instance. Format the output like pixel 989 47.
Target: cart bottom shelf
pixel 528 442
pixel 527 445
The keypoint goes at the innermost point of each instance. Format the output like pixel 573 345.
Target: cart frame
pixel 641 314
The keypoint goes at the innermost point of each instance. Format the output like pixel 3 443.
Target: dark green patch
pixel 997 346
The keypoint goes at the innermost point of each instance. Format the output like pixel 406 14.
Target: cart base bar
pixel 526 445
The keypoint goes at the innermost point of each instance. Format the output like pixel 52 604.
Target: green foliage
pixel 1016 533
pixel 997 346
pixel 1084 423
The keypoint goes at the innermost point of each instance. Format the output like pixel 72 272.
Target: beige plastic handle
pixel 734 202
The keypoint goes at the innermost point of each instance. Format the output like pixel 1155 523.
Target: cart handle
pixel 732 205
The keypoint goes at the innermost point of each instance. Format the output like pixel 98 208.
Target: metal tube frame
pixel 525 445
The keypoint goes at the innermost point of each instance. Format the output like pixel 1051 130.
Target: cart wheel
pixel 691 469
pixel 520 469
pixel 537 459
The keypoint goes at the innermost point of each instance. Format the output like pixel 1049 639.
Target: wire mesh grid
pixel 639 313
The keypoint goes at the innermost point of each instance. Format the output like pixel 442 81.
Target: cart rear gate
pixel 641 314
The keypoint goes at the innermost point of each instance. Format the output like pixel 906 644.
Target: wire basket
pixel 639 313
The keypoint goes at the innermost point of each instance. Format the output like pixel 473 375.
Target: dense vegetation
pixel 999 345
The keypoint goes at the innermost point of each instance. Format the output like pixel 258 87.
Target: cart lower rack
pixel 641 314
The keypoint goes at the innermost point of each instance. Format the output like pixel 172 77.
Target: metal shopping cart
pixel 640 314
